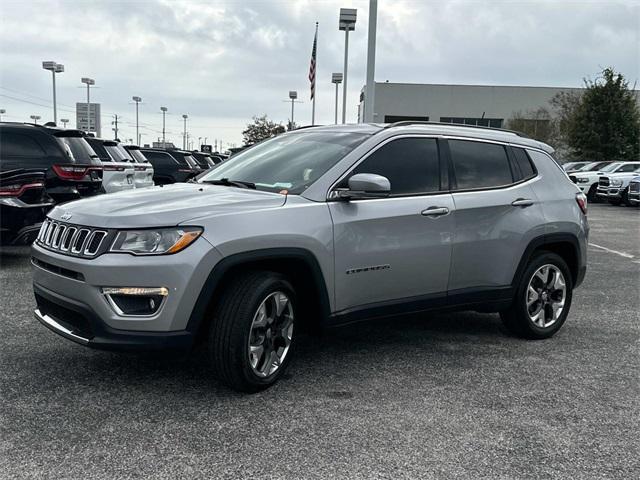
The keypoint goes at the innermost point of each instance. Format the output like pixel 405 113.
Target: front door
pixel 394 249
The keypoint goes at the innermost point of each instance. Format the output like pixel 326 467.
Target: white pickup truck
pixel 588 181
pixel 614 188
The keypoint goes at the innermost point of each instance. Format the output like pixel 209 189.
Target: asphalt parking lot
pixel 435 396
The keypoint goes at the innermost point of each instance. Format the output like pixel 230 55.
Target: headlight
pixel 155 242
pixel 582 180
pixel 616 183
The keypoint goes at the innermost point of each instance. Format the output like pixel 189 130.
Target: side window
pixel 17 145
pixel 410 164
pixel 524 163
pixel 630 167
pixel 479 164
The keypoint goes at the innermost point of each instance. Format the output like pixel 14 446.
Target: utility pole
pixel 115 122
pixel 184 133
pixel 164 112
pixel 369 93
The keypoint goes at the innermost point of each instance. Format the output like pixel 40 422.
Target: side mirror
pixel 365 185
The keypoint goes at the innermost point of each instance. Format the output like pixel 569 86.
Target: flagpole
pixel 313 104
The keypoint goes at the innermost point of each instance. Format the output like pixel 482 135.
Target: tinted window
pixel 78 149
pixel 410 164
pixel 479 164
pixel 160 158
pixel 138 156
pixel 522 159
pixel 16 145
pixel 99 148
pixel 629 167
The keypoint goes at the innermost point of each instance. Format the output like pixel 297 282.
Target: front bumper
pixel 69 292
pixel 77 322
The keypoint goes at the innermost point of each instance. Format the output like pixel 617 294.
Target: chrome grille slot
pixel 58 235
pixel 43 229
pixel 68 237
pixel 94 241
pixel 52 229
pixel 80 240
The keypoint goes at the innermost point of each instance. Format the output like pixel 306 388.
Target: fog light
pixel 135 301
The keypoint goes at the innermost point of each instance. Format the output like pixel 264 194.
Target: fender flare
pixel 213 281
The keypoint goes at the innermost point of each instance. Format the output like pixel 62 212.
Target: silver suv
pixel 318 227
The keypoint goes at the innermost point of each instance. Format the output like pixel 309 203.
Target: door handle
pixel 522 202
pixel 435 211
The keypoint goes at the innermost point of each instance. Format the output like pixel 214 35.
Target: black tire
pixel 228 339
pixel 591 194
pixel 517 319
pixel 625 197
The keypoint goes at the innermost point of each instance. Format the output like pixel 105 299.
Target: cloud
pixel 222 62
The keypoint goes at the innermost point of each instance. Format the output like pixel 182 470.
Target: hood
pixel 163 206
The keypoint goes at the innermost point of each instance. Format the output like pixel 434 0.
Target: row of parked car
pixel 615 182
pixel 42 165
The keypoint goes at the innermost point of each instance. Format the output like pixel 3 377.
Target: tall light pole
pixel 184 133
pixel 88 82
pixel 292 96
pixel 199 143
pixel 35 118
pixel 64 122
pixel 347 22
pixel 369 92
pixel 54 68
pixel 337 79
pixel 164 112
pixel 2 112
pixel 137 100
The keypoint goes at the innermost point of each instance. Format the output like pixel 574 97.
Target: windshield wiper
pixel 231 183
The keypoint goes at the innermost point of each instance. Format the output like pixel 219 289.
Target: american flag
pixel 312 67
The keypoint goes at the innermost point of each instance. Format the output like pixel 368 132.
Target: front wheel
pixel 591 194
pixel 251 334
pixel 543 298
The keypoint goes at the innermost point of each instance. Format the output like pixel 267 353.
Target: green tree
pixel 261 129
pixel 605 124
pixel 538 124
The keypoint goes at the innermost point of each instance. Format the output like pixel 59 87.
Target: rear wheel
pixel 251 335
pixel 543 298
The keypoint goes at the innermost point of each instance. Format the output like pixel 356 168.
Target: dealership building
pixel 484 105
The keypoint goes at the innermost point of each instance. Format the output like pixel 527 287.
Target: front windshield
pixel 290 162
pixel 610 167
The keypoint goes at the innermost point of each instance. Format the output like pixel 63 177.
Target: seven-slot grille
pixel 634 187
pixel 70 239
pixel 604 182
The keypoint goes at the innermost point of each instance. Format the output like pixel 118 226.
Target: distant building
pixel 484 105
pixel 90 122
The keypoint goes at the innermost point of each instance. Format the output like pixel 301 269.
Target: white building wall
pixel 468 101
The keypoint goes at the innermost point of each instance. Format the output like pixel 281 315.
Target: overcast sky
pixel 222 62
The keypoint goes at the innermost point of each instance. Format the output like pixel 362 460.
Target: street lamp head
pixel 164 109
pixel 50 65
pixel 185 116
pixel 293 94
pixel 347 20
pixel 336 78
pixel 88 81
pixel 2 111
pixel 59 68
pixel 136 99
pixel 35 117
pixel 64 120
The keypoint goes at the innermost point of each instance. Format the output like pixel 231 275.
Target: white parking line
pixel 622 254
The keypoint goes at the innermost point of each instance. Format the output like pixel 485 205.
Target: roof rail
pixel 443 124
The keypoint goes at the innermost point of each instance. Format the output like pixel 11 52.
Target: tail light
pixel 185 170
pixel 140 169
pixel 73 172
pixel 112 168
pixel 581 199
pixel 17 189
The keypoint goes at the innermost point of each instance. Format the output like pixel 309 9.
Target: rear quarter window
pixel 523 161
pixel 18 145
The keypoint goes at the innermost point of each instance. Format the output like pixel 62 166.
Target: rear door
pixel 395 249
pixel 496 213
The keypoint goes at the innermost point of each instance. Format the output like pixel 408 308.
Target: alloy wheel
pixel 271 334
pixel 546 295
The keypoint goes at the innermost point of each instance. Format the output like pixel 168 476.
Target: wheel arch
pixel 299 265
pixel 566 245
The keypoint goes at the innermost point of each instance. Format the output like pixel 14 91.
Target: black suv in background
pixel 204 160
pixel 24 204
pixel 71 167
pixel 186 157
pixel 166 168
